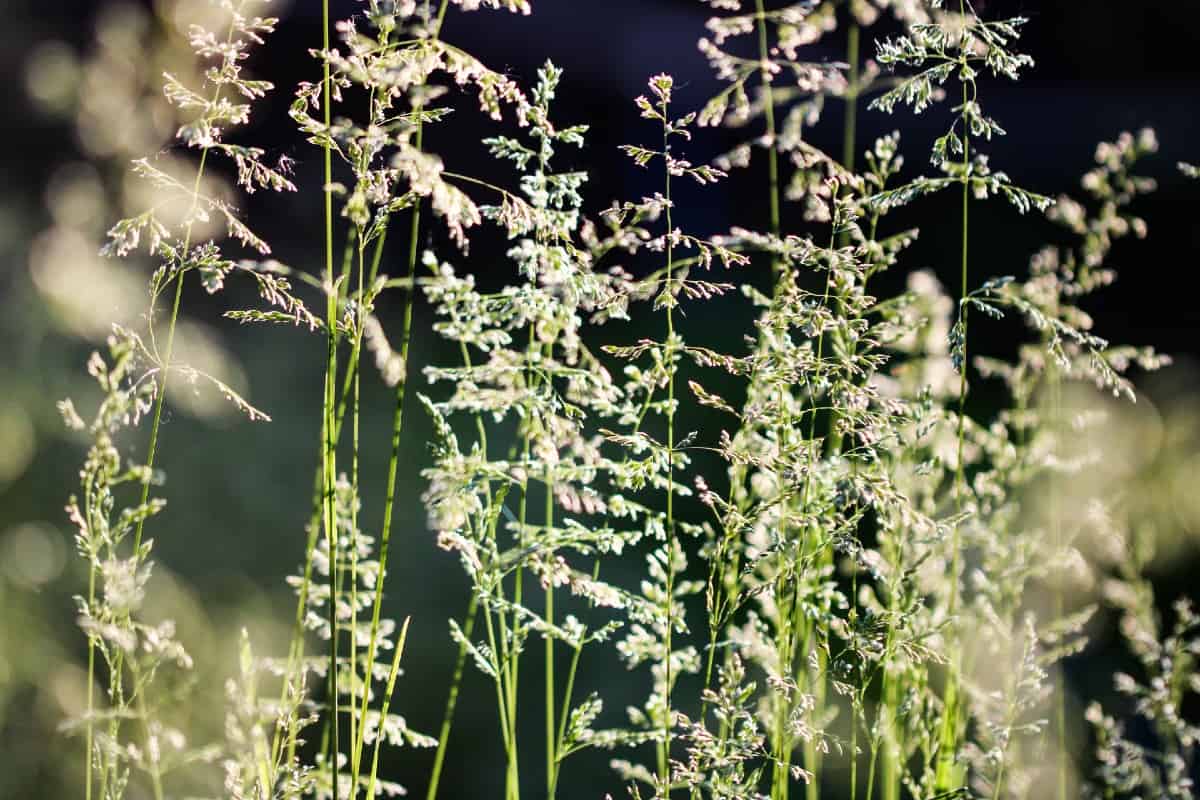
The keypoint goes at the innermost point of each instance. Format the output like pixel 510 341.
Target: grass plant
pixel 872 594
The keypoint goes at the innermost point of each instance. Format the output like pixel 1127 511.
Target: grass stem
pixel 664 767
pixel 947 778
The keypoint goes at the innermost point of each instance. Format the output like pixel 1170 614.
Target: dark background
pixel 238 492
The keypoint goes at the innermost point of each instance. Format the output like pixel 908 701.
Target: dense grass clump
pixel 850 585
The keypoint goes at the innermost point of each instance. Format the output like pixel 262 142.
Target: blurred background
pixel 84 98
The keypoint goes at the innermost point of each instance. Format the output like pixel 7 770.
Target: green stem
pixel 356 732
pixel 328 462
pixel 467 629
pixel 512 656
pixel 947 778
pixel 499 681
pixel 152 450
pixel 506 673
pixel 296 647
pixel 165 369
pixel 505 687
pixel 850 121
pixel 893 753
pixel 664 767
pixel 397 425
pixel 387 701
pixel 90 684
pixel 551 739
pixel 812 756
pixel 854 710
pixel 1060 699
pixel 764 53
pixel 568 692
pixel 709 662
pixel 871 768
pixel 850 125
pixel 452 700
pixel 960 467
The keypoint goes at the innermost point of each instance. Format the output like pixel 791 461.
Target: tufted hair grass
pixel 854 603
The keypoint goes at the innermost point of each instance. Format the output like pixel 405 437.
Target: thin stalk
pixel 854 709
pixel 948 739
pixel 501 702
pixel 328 463
pixel 397 418
pixel 356 733
pixel 296 648
pixel 764 54
pixel 850 120
pixel 890 688
pixel 722 605
pixel 297 645
pixel 548 514
pixel 499 649
pixel 506 675
pixel 387 702
pixel 812 754
pixel 506 702
pixel 871 768
pixel 152 449
pixel 519 580
pixel 856 702
pixel 116 698
pixel 709 662
pixel 172 324
pixel 960 468
pixel 1060 695
pixel 497 646
pixel 850 124
pixel 812 757
pixel 90 685
pixel 780 772
pixel 393 462
pixel 568 692
pixel 551 739
pixel 664 766
pixel 511 657
pixel 891 702
pixel 460 661
pixel 468 628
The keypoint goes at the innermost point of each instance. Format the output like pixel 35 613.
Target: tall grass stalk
pixel 165 365
pixel 764 54
pixel 387 701
pixel 398 425
pixel 110 615
pixel 328 452
pixel 947 779
pixel 1062 752
pixel 668 715
pixel 853 88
